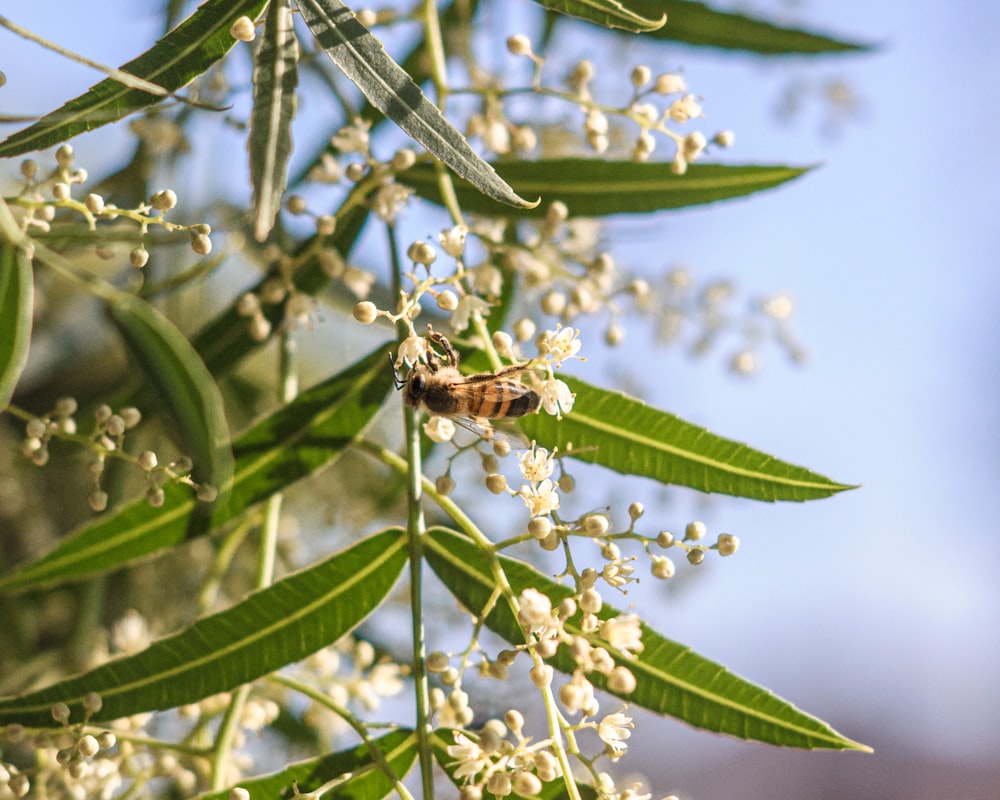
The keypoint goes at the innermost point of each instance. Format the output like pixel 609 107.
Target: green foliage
pixel 16 290
pixel 599 188
pixel 279 625
pixel 221 664
pixel 178 58
pixel 630 437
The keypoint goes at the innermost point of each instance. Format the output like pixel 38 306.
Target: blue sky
pixel 875 609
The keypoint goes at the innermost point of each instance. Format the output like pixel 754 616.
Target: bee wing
pixel 491 430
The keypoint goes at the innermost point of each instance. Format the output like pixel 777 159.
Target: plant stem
pixel 415 528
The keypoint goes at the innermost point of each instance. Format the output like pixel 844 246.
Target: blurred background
pixel 876 609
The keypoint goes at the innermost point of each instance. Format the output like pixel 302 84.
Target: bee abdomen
pixel 509 400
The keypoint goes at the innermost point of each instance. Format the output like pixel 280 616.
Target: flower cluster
pixel 680 304
pixel 348 673
pixel 41 197
pixel 656 104
pixel 106 440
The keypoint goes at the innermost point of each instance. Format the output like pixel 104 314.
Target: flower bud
pixel 520 45
pixel 694 531
pixel 727 544
pixel 641 76
pixel 243 30
pixel 365 312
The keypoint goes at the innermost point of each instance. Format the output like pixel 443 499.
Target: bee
pixel 469 400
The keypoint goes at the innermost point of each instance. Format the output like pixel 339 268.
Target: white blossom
pixel 614 729
pixel 623 633
pixel 439 429
pixel 560 344
pixel 542 499
pixel 469 757
pixel 453 240
pixel 352 138
pixel 411 350
pixel 467 306
pixel 534 608
pixel 556 397
pixel 536 464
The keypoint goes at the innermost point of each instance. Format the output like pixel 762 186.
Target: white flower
pixel 560 344
pixel 534 608
pixel 614 730
pixel 352 138
pixel 693 146
pixel 578 695
pixel 623 633
pixel 390 200
pixel 541 499
pixel 411 350
pixel 439 429
pixel 670 83
pixel 537 464
pixel 469 757
pixel 358 281
pixel 468 305
pixel 684 108
pixel 487 280
pixel 556 397
pixel 386 679
pixel 617 573
pixel 453 240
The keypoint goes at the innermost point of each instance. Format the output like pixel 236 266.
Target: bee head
pixel 416 385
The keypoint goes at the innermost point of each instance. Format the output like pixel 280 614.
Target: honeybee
pixel 470 400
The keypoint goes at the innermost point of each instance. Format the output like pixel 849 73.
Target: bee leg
pixel 439 339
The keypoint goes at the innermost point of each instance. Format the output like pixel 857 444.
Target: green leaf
pixel 596 188
pixel 608 13
pixel 443 738
pixel 366 781
pixel 16 306
pixel 670 678
pixel 361 57
pixel 633 438
pixel 455 18
pixel 174 61
pixel 296 441
pixel 183 386
pixel 275 77
pixel 699 24
pixel 273 627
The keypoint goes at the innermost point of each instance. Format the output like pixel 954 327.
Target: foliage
pixel 168 479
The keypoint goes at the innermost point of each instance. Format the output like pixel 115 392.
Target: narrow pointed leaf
pixel 608 13
pixel 274 80
pixel 670 678
pixel 595 188
pixel 457 15
pixel 361 57
pixel 367 781
pixel 632 438
pixel 699 24
pixel 173 62
pixel 16 306
pixel 297 440
pixel 273 627
pixel 183 385
pixel 443 738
